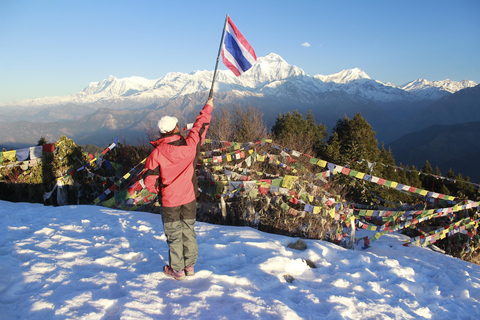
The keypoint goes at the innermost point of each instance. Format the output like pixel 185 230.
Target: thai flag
pixel 238 55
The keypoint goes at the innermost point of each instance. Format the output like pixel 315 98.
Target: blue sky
pixel 55 48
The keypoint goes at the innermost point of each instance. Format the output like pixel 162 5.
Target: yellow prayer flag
pixel 288 181
pixel 229 157
pixel 360 175
pixel 332 212
pixel 322 163
pixel 394 184
pixel 10 155
pixel 316 209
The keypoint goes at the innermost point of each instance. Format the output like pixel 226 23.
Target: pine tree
pixel 352 140
pixel 428 182
pixel 42 141
pixel 440 185
pixel 389 172
pixel 413 177
pixel 353 144
pixel 295 132
pixel 386 157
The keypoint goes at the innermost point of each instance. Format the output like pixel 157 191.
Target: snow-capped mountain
pixel 119 87
pixel 344 76
pixel 270 77
pixel 445 85
pixel 436 89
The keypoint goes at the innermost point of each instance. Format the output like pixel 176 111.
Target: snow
pixel 344 76
pixel 117 87
pixel 447 85
pixel 91 262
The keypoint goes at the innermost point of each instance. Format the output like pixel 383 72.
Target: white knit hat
pixel 167 124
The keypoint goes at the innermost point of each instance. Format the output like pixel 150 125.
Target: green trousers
pixel 179 227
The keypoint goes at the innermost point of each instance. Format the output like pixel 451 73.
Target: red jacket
pixel 170 168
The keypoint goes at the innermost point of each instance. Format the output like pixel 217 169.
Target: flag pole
pixel 218 57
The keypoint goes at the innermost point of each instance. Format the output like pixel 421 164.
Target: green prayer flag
pixel 353 173
pixel 123 195
pixel 109 203
pixel 277 182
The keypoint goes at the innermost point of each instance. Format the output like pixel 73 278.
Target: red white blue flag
pixel 238 55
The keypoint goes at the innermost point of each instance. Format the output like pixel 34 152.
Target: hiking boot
pixel 189 271
pixel 180 275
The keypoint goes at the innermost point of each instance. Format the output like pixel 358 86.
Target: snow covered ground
pixel 88 262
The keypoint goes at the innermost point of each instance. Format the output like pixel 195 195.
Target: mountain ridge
pixel 267 73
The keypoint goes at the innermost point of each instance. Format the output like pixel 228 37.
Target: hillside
pixel 453 146
pixel 459 107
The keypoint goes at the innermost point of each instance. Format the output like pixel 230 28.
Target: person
pixel 170 172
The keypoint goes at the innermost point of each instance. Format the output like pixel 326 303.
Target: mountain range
pixel 128 107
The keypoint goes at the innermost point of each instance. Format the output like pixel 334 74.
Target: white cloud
pixel 306 44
